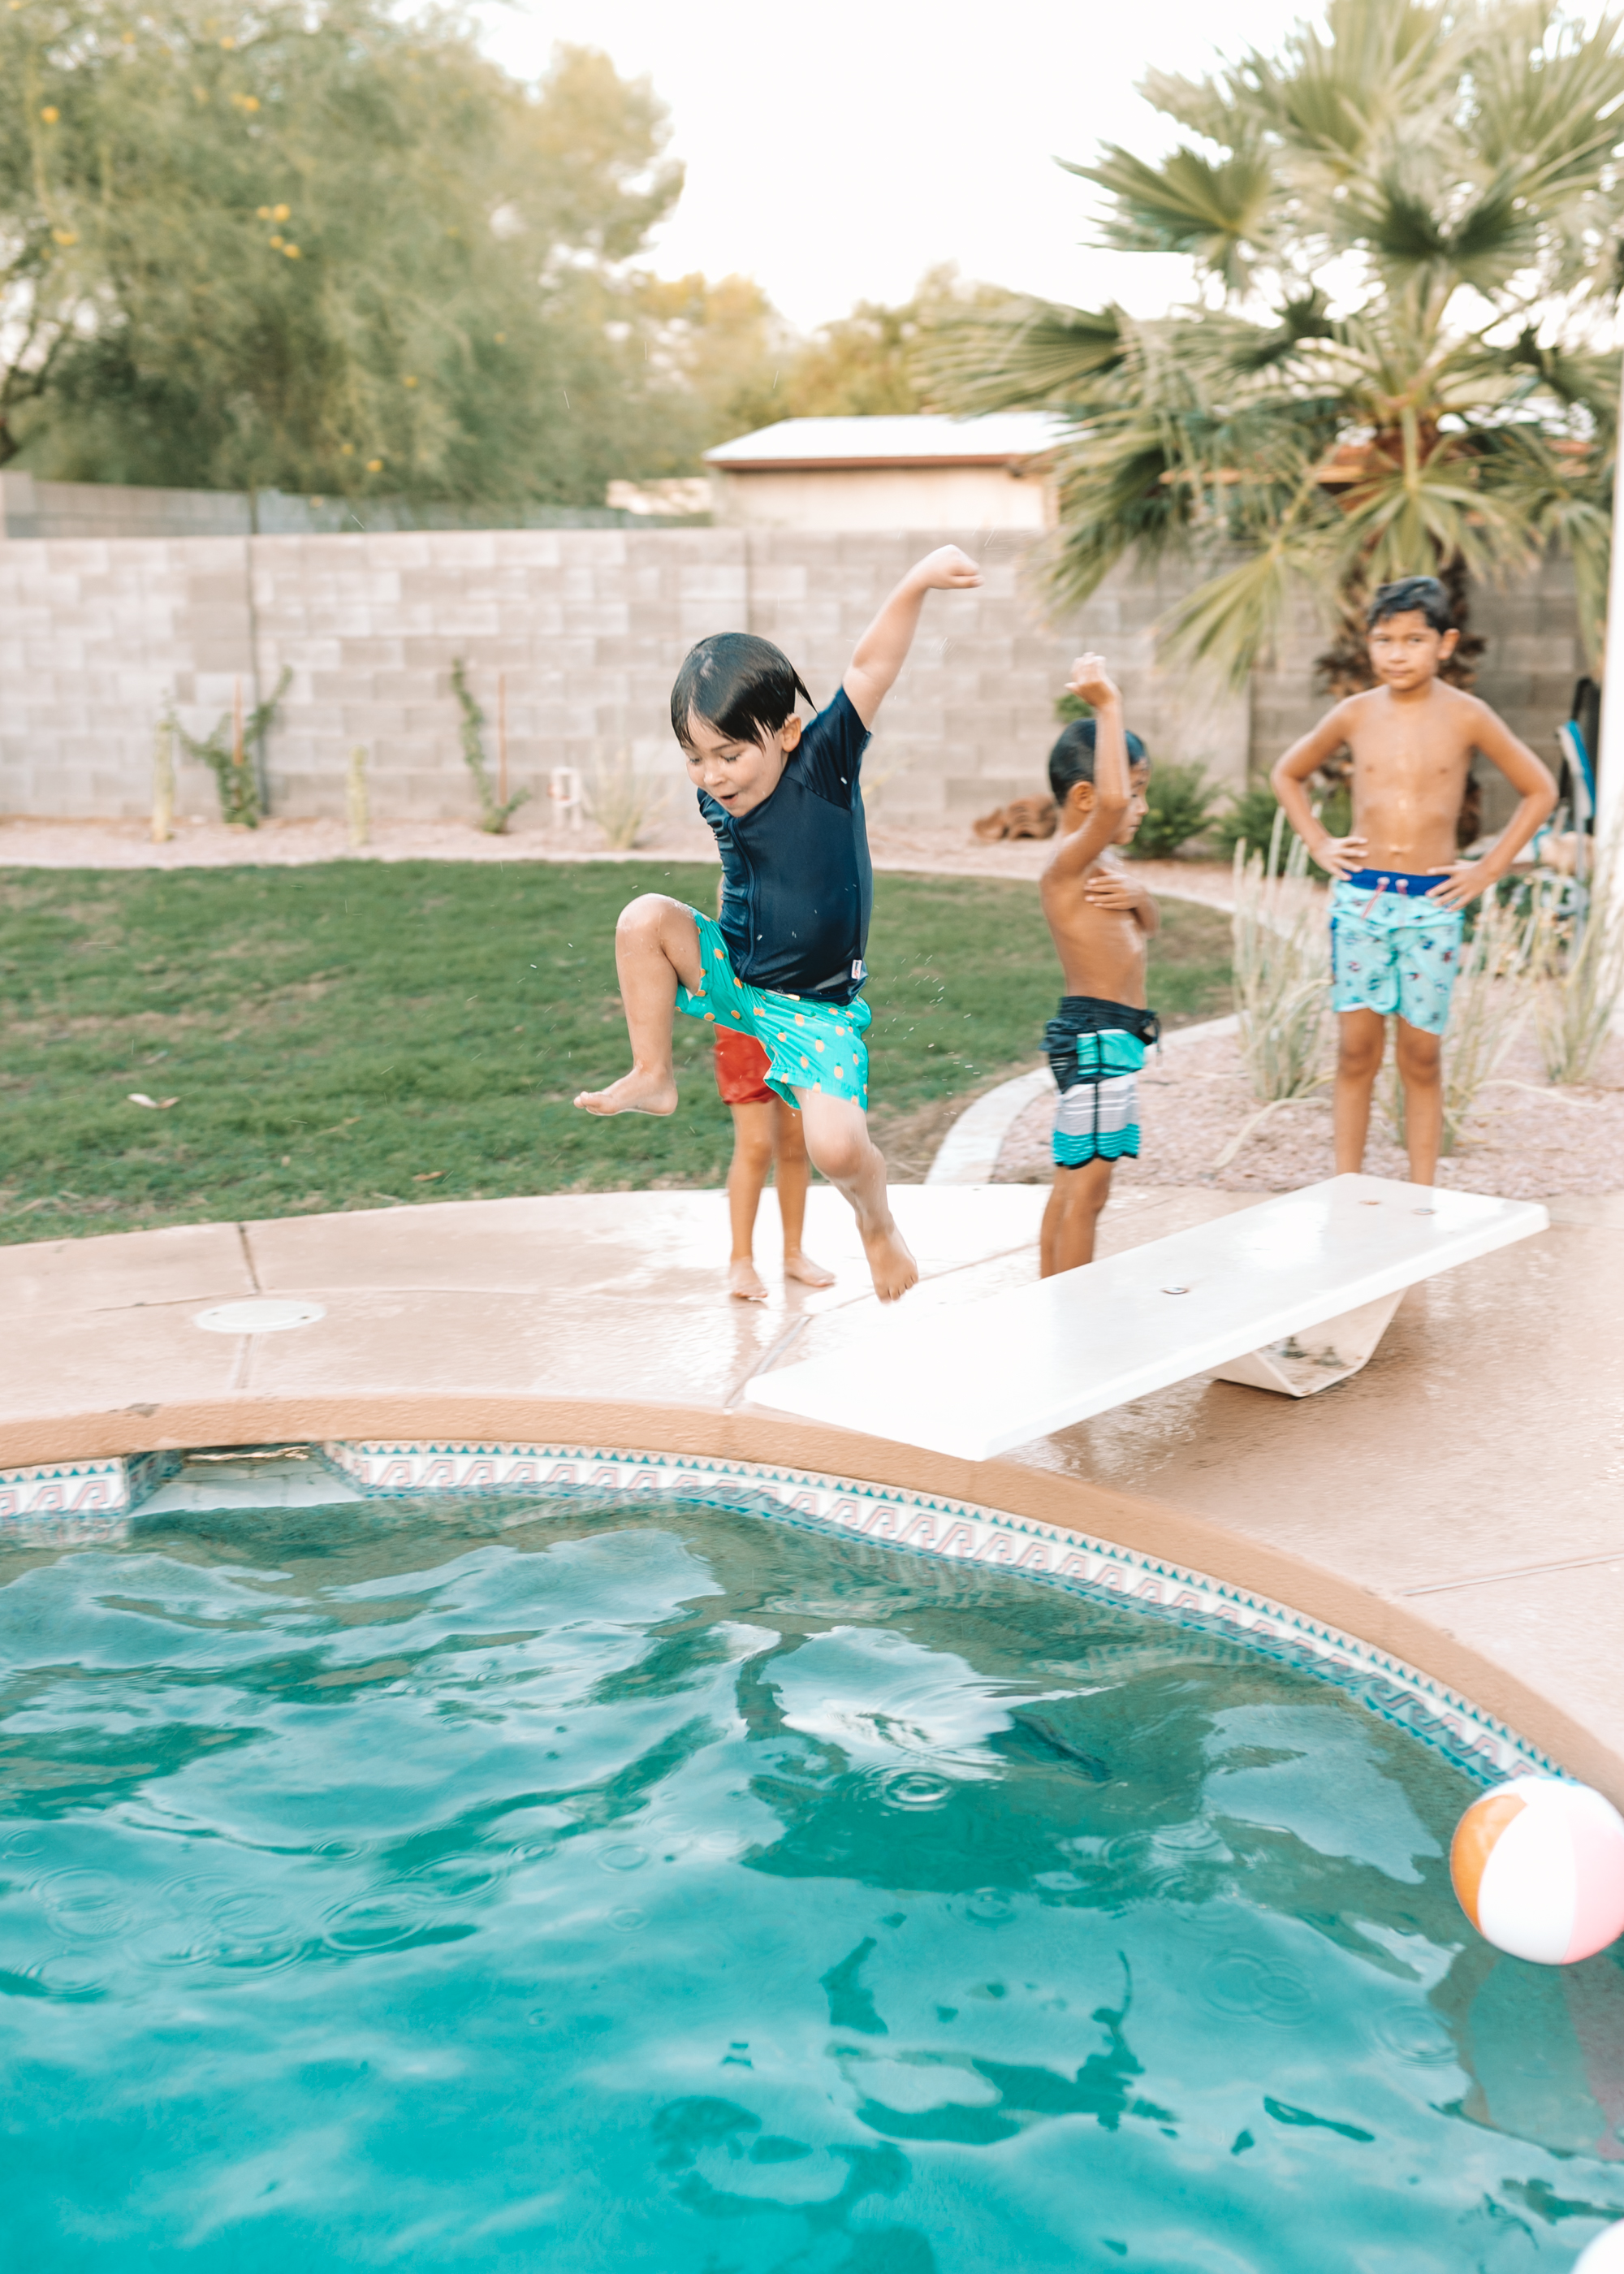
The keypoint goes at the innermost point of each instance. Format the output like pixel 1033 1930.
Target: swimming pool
pixel 509 1881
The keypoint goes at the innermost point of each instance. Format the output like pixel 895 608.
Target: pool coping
pixel 1448 1690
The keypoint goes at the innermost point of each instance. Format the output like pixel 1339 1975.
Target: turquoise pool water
pixel 584 1887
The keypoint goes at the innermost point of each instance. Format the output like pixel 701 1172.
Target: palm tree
pixel 1405 228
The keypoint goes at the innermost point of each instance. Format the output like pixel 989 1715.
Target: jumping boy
pixel 786 962
pixel 1398 883
pixel 1099 919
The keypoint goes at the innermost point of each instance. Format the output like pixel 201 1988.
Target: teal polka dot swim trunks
pixel 809 1045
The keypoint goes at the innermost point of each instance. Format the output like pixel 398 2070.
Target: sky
pixel 837 149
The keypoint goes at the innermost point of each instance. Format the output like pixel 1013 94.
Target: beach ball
pixel 1604 2255
pixel 1539 1867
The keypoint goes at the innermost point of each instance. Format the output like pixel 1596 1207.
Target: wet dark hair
pixel 1071 759
pixel 742 686
pixel 1424 596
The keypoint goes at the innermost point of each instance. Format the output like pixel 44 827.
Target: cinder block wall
pixel 588 628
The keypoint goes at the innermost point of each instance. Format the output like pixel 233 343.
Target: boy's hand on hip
pixel 1341 856
pixel 947 569
pixel 1464 880
pixel 1092 681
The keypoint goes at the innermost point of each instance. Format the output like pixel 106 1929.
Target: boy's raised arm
pixel 883 650
pixel 1113 777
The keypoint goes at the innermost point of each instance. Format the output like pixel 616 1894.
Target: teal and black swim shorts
pixel 809 1045
pixel 1096 1050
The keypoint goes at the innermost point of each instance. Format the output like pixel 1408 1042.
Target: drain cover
pixel 258 1316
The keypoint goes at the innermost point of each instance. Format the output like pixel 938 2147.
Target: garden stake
pixel 163 783
pixel 238 756
pixel 358 805
pixel 501 737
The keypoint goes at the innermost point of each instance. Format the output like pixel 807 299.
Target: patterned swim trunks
pixel 809 1045
pixel 1096 1050
pixel 1393 950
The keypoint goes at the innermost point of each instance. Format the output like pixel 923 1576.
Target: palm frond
pixel 1229 622
pixel 1038 357
pixel 1335 93
pixel 1217 212
pixel 1542 92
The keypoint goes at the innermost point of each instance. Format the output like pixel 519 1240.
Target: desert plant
pixel 495 809
pixel 1281 968
pixel 225 750
pixel 1493 998
pixel 1179 802
pixel 1580 957
pixel 624 803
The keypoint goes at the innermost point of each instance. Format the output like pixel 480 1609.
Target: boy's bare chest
pixel 1405 752
pixel 1102 950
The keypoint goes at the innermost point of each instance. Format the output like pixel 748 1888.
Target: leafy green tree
pixel 718 350
pixel 732 363
pixel 875 359
pixel 330 250
pixel 1406 231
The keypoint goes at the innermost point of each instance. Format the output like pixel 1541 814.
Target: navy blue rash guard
pixel 797 883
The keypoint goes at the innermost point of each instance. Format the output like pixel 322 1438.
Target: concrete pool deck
pixel 1459 1504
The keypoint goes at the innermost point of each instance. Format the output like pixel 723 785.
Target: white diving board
pixel 1291 1296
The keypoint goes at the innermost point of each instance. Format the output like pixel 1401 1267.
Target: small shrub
pixel 623 802
pixel 1179 802
pixel 226 754
pixel 1069 706
pixel 1282 969
pixel 1249 818
pixel 495 811
pixel 1579 958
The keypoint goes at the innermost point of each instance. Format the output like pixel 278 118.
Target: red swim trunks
pixel 742 1069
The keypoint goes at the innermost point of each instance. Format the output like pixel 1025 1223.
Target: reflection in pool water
pixel 584 1887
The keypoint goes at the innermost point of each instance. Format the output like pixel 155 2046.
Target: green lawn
pixel 340 1035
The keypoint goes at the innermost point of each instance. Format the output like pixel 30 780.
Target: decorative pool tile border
pixel 963 1532
pixel 79 1501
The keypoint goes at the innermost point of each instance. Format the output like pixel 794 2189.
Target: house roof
pixel 925 439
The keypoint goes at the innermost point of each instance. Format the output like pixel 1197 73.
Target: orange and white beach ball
pixel 1602 2255
pixel 1539 1867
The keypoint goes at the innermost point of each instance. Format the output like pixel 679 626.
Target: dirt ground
pixel 1524 1141
pixel 946 851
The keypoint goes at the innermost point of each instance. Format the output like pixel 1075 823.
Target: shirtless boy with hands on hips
pixel 1398 883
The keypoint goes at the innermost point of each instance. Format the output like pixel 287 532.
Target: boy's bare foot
pixel 801 1266
pixel 643 1090
pixel 894 1270
pixel 744 1281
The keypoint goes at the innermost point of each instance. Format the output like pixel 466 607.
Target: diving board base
pixel 1318 1356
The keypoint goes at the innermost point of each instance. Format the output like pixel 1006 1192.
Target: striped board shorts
pixel 1096 1063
